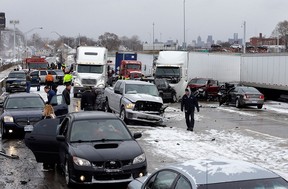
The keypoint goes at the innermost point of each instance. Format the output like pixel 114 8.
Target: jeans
pixel 28 86
pixel 189 122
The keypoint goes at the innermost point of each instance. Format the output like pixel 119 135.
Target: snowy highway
pixel 258 136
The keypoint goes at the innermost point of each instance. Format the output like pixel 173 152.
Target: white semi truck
pixel 90 69
pixel 172 65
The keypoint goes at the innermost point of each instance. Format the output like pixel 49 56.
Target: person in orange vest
pixel 49 79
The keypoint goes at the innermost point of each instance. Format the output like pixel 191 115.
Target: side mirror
pixel 60 138
pixel 137 135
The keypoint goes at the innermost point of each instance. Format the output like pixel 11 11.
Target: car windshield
pixel 273 183
pixel 24 102
pixel 167 72
pixel 90 69
pixel 249 90
pixel 141 89
pixel 99 130
pixel 133 66
pixel 17 75
pixel 198 82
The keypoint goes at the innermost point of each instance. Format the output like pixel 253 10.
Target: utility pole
pixel 14 22
pixel 153 38
pixel 184 24
pixel 244 40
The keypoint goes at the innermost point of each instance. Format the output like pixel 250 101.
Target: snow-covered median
pixel 182 145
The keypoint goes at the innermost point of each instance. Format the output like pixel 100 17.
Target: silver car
pixel 215 173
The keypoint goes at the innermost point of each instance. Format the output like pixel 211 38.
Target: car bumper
pixel 98 176
pixel 14 127
pixel 253 102
pixel 143 116
pixel 16 88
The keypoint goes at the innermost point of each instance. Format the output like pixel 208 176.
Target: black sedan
pixel 22 109
pixel 90 147
pixel 246 96
pixel 166 92
pixel 16 81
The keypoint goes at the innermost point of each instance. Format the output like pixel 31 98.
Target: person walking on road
pixel 66 94
pixel 49 79
pixel 28 83
pixel 88 100
pixel 188 104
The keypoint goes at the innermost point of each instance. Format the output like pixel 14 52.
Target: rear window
pixel 249 89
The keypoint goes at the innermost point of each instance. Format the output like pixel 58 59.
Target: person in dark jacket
pixel 189 103
pixel 66 93
pixel 88 100
pixel 50 93
pixel 28 83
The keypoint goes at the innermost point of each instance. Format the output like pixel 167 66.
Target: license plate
pixel 113 170
pixel 254 102
pixel 28 128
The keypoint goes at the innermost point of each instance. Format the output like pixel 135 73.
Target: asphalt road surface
pixel 224 131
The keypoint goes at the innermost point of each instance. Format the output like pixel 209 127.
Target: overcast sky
pixel 220 18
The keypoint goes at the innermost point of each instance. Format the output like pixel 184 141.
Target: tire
pixel 38 88
pixel 3 132
pixel 238 105
pixel 68 180
pixel 107 107
pixel 260 106
pixel 174 98
pixel 122 115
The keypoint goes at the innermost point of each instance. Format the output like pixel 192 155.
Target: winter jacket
pixel 66 95
pixel 189 103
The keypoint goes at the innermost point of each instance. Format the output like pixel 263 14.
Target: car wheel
pixel 38 88
pixel 174 98
pixel 238 105
pixel 107 107
pixel 123 115
pixel 67 174
pixel 2 131
pixel 260 106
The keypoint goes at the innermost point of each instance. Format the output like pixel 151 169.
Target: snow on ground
pixel 175 114
pixel 279 107
pixel 181 145
pixel 238 111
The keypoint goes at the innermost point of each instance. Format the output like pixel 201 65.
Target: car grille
pixel 118 176
pixel 27 121
pixel 147 106
pixel 89 82
pixel 111 164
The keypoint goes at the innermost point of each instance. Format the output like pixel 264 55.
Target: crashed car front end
pixel 145 111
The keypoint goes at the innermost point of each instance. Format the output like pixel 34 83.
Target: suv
pixel 43 73
pixel 207 88
pixel 16 81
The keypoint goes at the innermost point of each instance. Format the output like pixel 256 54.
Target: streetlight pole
pixel 14 22
pixel 244 42
pixel 184 24
pixel 26 38
pixel 153 38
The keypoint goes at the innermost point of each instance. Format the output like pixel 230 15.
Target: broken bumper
pixel 143 116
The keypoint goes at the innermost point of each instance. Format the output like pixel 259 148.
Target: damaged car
pixel 135 101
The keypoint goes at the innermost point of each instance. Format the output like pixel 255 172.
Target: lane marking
pixel 267 135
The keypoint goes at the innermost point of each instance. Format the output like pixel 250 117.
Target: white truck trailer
pixel 172 65
pixel 90 68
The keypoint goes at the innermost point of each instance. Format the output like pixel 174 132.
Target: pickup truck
pixel 208 88
pixel 135 101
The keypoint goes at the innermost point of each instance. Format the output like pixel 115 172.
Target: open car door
pixel 42 141
pixel 59 105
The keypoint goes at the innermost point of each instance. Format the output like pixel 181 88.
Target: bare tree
pixel 132 43
pixel 109 40
pixel 281 29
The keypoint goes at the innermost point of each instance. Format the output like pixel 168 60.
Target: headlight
pixel 200 90
pixel 102 86
pixel 23 83
pixel 130 106
pixel 81 162
pixel 77 84
pixel 8 119
pixel 139 159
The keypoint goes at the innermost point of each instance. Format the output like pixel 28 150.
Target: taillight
pixel 261 97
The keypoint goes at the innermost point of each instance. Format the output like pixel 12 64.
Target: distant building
pixel 262 41
pixel 235 40
pixel 159 46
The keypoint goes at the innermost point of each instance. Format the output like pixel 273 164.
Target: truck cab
pixel 90 69
pixel 130 69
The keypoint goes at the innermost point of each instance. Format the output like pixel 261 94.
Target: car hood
pixel 15 79
pixel 23 112
pixel 103 151
pixel 143 97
